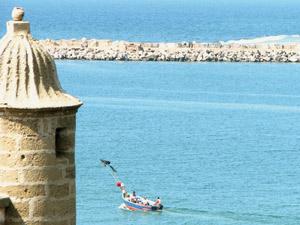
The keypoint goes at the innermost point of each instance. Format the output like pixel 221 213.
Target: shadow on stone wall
pixel 13 214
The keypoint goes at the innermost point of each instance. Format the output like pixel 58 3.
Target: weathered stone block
pixel 70 172
pixel 23 191
pixel 7 143
pixel 7 176
pixel 42 175
pixel 36 159
pixel 46 126
pixel 20 126
pixel 22 159
pixel 49 208
pixel 59 191
pixel 68 121
pixel 6 160
pixel 37 143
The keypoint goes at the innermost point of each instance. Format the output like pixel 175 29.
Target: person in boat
pixel 124 192
pixel 157 202
pixel 133 197
pixel 145 201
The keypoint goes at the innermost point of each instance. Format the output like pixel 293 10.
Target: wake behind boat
pixel 131 201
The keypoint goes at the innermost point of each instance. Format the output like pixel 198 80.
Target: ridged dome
pixel 28 77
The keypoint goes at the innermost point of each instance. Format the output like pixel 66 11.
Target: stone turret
pixel 37 132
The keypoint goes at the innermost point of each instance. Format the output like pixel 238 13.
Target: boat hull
pixel 137 207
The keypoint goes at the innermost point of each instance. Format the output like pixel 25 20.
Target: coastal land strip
pixel 92 49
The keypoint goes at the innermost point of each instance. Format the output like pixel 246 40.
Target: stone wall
pixel 186 51
pixel 37 169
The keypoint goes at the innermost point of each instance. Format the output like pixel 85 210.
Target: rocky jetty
pixel 92 49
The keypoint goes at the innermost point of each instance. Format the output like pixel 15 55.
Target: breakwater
pixel 92 49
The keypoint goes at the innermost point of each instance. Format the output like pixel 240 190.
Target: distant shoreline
pixel 84 49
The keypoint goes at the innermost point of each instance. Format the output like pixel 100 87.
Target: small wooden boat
pixel 131 201
pixel 140 206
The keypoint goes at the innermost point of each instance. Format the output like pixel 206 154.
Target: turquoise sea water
pixel 159 20
pixel 219 143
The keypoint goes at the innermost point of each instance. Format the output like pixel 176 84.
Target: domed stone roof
pixel 28 77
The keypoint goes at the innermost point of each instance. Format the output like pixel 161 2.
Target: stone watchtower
pixel 37 132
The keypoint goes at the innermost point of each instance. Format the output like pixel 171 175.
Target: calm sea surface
pixel 219 143
pixel 158 20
